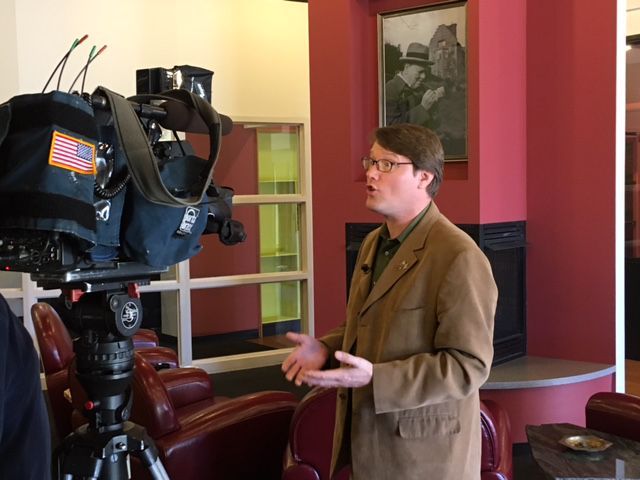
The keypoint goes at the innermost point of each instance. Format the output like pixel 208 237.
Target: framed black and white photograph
pixel 423 72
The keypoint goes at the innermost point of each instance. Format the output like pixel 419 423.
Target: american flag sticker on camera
pixel 72 154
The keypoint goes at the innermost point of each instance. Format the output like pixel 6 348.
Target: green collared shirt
pixel 387 247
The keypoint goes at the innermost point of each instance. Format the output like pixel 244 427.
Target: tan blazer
pixel 427 326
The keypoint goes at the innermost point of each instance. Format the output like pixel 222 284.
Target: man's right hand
pixel 430 97
pixel 309 354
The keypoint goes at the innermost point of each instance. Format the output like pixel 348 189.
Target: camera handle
pixel 103 367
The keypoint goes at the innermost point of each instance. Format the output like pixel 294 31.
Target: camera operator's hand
pixel 309 354
pixel 430 97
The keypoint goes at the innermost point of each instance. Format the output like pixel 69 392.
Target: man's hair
pixel 419 144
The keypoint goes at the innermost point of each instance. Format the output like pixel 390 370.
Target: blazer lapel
pixel 404 259
pixel 364 284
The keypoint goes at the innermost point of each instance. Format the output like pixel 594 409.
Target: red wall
pixel 570 179
pixel 490 187
pixel 498 71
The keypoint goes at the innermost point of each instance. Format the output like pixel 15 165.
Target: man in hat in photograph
pixel 411 96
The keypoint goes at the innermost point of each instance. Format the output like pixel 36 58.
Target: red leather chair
pixel 308 455
pixel 199 436
pixel 616 413
pixel 56 351
pixel 497 446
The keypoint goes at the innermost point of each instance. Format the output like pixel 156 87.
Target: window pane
pixel 279 238
pixel 244 319
pixel 280 304
pixel 272 244
pixel 171 274
pixel 10 279
pixel 278 160
pixel 161 313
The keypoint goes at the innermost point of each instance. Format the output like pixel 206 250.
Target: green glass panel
pixel 278 160
pixel 280 302
pixel 279 238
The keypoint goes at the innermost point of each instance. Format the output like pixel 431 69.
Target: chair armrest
pixel 159 356
pixel 186 385
pixel 497 448
pixel 152 405
pixel 343 474
pixel 145 337
pixel 243 437
pixel 617 413
pixel 300 471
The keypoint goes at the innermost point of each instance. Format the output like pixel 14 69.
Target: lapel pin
pixel 403 265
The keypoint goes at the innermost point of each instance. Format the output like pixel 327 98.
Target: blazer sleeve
pixel 463 343
pixel 333 342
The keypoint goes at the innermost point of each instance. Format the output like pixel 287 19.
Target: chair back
pixel 56 346
pixel 56 351
pixel 496 462
pixel 616 413
pixel 311 431
pixel 308 455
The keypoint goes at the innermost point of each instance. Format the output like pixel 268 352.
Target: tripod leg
pixel 141 445
pixel 74 459
pixel 157 470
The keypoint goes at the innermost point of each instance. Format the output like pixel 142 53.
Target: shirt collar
pixel 404 79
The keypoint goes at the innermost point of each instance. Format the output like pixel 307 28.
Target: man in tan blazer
pixel 417 342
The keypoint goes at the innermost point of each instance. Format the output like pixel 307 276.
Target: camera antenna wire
pixel 63 62
pixel 84 75
pixel 86 66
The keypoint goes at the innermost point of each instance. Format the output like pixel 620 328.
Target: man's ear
pixel 425 179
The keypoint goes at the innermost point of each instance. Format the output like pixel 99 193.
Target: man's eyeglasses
pixel 382 165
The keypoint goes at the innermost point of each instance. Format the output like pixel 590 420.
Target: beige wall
pixel 258 49
pixel 633 17
pixel 8 52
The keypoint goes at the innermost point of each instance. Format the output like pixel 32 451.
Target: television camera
pixel 95 201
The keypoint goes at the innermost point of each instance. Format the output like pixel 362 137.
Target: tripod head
pixel 104 354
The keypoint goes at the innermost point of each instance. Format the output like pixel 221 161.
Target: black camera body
pixel 88 183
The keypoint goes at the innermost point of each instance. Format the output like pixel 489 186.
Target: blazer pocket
pixel 428 426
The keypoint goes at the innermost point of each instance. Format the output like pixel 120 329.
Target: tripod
pixel 107 319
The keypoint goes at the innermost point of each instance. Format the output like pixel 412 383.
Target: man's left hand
pixel 354 372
